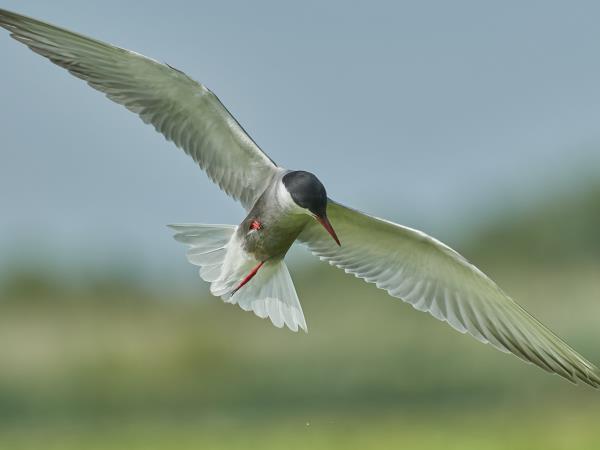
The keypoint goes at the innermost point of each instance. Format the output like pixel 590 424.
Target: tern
pixel 244 264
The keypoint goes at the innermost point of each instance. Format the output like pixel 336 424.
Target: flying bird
pixel 244 263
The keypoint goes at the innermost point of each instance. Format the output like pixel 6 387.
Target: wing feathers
pixel 433 278
pixel 181 109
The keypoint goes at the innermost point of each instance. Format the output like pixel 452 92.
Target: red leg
pixel 248 277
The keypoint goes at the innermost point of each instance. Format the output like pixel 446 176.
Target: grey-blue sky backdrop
pixel 430 113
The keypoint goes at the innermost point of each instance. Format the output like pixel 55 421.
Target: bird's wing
pixel 432 277
pixel 183 110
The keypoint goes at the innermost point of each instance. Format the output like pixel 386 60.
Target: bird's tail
pixel 208 246
pixel 263 287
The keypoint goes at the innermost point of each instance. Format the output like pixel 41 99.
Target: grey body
pixel 281 223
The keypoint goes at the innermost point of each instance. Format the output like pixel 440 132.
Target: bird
pixel 244 264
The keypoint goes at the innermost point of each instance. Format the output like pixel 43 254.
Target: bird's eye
pixel 255 225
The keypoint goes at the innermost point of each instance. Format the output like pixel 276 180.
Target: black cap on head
pixel 307 191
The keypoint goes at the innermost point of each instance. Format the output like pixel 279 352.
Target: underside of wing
pixel 432 277
pixel 183 110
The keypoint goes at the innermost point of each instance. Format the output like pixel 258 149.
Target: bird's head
pixel 309 194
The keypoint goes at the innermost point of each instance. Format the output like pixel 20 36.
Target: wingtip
pixel 589 376
pixel 594 378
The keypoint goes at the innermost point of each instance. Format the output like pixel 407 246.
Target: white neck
pixel 286 202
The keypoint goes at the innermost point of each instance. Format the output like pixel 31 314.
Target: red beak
pixel 325 222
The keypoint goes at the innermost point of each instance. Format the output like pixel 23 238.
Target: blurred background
pixel 476 122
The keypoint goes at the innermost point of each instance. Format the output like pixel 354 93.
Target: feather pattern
pixel 184 111
pixel 433 278
pixel 272 294
pixel 223 263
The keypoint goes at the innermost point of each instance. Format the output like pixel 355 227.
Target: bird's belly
pixel 274 237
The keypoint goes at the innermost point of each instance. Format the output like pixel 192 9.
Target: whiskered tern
pixel 244 264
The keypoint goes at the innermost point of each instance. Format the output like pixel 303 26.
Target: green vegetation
pixel 110 366
pixel 562 229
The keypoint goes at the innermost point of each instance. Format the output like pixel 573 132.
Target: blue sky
pixel 432 114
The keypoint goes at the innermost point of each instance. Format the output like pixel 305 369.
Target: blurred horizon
pixel 565 211
pixel 475 123
pixel 112 361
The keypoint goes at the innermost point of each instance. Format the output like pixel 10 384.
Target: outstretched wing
pixel 183 110
pixel 432 277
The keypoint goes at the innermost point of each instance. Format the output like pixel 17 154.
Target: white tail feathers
pixel 224 264
pixel 208 246
pixel 271 293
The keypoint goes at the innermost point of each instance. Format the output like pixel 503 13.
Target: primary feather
pixel 183 110
pixel 432 277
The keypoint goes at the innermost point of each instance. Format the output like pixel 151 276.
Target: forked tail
pixel 264 287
